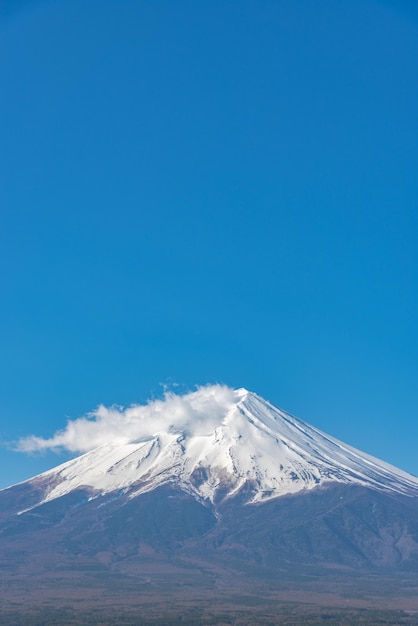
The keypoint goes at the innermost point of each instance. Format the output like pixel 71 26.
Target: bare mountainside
pixel 237 496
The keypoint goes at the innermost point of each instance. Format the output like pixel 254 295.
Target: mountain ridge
pixel 250 443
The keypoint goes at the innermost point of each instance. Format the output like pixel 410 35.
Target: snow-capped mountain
pixel 213 489
pixel 249 443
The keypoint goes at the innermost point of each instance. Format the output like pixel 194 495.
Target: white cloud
pixel 198 412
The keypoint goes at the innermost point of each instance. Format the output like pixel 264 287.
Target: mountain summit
pixel 242 444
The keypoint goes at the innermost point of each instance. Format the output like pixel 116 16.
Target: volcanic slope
pixel 214 490
pixel 249 443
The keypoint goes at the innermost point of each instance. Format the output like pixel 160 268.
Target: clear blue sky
pixel 219 191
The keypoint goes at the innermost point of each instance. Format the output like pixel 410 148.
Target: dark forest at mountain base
pixel 95 600
pixel 286 614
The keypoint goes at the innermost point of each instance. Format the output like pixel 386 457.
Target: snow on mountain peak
pixel 211 441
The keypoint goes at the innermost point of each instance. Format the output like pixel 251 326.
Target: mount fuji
pixel 214 486
pixel 250 444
